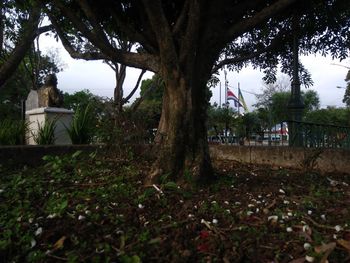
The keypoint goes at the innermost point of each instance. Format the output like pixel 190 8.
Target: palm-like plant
pixel 80 131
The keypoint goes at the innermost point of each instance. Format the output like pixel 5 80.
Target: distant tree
pixel 330 115
pixel 79 99
pixel 346 98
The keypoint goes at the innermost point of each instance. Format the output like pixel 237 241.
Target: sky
pixel 99 78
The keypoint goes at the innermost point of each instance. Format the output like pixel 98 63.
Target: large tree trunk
pixel 182 133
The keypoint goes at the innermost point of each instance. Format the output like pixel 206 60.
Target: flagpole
pixel 238 99
pixel 220 95
pixel 225 72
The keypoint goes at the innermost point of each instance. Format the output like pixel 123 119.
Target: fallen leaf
pixel 59 243
pixel 324 248
pixel 344 243
pixel 298 260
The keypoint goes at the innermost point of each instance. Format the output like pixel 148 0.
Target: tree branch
pixel 70 49
pixel 125 100
pixel 276 42
pixel 161 29
pixel 22 46
pixel 249 23
pixel 137 60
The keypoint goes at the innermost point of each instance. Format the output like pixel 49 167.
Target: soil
pixel 81 208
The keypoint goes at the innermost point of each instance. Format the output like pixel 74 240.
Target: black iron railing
pixel 312 135
pixel 317 135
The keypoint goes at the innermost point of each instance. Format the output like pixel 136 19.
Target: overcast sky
pixel 99 78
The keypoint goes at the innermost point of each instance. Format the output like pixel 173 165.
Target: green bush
pixel 46 133
pixel 12 132
pixel 80 131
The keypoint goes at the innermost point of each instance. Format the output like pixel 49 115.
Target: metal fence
pixel 317 135
pixel 312 135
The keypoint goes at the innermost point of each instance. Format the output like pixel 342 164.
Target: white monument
pixel 44 105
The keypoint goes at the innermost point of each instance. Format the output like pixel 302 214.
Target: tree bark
pixel 182 146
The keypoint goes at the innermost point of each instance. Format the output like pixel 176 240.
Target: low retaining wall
pixel 320 159
pixel 323 160
pixel 33 154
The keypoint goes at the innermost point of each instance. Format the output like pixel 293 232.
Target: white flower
pixel 87 212
pixel 249 213
pixel 39 231
pixel 228 211
pixel 215 221
pixel 337 228
pixel 30 220
pixel 190 216
pixel 309 258
pixel 213 202
pixel 257 210
pixel 307 246
pixel 290 214
pixel 226 203
pixel 335 236
pixel 141 206
pixel 281 191
pixel 80 217
pixel 309 212
pixel 181 201
pixel 237 203
pixel 289 229
pixel 323 217
pixel 1 191
pixel 250 205
pixel 286 202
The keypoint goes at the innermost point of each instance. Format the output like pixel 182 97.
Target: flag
pixel 232 96
pixel 241 100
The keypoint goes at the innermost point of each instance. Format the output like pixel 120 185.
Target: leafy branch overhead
pixel 256 32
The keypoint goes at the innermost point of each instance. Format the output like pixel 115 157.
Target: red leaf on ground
pixel 204 234
pixel 203 247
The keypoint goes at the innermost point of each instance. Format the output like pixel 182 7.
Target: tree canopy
pixel 186 41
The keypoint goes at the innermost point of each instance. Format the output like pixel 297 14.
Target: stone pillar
pixel 295 105
pixel 37 117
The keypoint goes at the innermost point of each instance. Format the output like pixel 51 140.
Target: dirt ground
pixel 80 208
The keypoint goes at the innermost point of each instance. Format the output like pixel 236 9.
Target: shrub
pixel 46 133
pixel 80 131
pixel 12 132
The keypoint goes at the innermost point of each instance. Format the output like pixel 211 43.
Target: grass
pixel 91 208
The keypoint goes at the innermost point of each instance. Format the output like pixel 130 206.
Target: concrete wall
pixel 323 160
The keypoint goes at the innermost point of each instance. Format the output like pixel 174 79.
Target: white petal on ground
pixel 307 246
pixel 309 258
pixel 33 243
pixel 289 229
pixel 39 231
pixel 337 228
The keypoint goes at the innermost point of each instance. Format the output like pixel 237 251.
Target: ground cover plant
pixel 90 207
